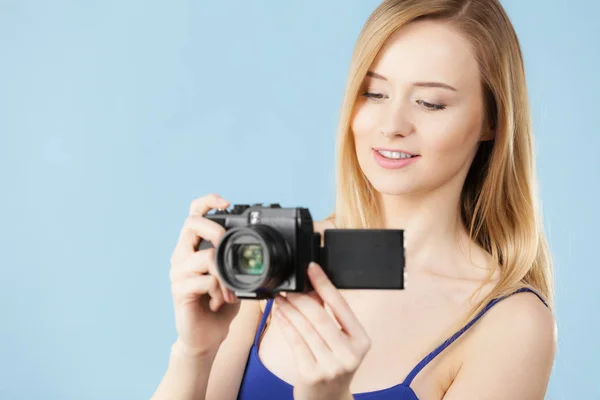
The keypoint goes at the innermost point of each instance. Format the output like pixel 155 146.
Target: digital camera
pixel 266 249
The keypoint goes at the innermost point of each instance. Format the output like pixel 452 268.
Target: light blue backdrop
pixel 115 114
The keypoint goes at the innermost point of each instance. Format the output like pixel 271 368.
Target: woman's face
pixel 422 96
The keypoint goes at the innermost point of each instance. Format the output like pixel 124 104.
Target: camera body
pixel 266 249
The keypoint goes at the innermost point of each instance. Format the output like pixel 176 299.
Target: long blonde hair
pixel 499 204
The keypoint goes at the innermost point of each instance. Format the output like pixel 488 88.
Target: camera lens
pixel 253 258
pixel 248 259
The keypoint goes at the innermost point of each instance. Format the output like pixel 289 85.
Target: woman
pixel 434 138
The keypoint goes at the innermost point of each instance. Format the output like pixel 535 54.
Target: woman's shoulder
pixel 511 349
pixel 520 328
pixel 524 314
pixel 519 320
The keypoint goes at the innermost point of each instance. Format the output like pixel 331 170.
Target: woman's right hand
pixel 204 308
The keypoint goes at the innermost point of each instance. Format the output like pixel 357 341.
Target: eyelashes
pixel 375 96
pixel 426 105
pixel 431 106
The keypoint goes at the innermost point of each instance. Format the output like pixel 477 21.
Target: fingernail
pixel 313 268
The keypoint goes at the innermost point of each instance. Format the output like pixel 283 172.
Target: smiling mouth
pixel 394 155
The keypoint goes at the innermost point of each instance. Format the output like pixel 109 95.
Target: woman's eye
pixel 375 96
pixel 431 106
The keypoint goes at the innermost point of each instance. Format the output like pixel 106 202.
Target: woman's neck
pixel 436 240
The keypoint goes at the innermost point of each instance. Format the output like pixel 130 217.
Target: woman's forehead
pixel 428 50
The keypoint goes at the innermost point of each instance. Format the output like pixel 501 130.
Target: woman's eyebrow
pixel 375 75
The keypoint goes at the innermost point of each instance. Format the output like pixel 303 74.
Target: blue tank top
pixel 259 383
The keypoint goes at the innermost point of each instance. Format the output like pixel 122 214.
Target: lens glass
pixel 248 259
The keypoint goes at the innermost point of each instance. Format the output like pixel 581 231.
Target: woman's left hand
pixel 326 356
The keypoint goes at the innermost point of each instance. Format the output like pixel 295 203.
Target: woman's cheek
pixel 449 134
pixel 365 120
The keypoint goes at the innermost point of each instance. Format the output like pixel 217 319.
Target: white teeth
pixel 396 155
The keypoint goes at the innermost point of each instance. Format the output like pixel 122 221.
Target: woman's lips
pixel 390 163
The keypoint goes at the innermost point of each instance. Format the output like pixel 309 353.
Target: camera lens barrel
pixel 253 258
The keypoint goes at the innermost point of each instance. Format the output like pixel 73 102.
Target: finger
pixel 194 287
pixel 201 263
pixel 304 357
pixel 204 204
pixel 325 306
pixel 312 309
pixel 195 228
pixel 338 305
pixel 310 298
pixel 305 328
pixel 198 263
pixel 188 240
pixel 228 295
pixel 314 295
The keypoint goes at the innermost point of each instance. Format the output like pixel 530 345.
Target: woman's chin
pixel 392 187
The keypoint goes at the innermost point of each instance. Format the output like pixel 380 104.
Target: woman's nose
pixel 396 121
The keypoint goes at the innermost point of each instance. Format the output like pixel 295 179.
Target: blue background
pixel 114 115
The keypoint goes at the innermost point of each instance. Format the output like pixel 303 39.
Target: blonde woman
pixel 434 138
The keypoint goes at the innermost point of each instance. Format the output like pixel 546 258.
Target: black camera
pixel 267 249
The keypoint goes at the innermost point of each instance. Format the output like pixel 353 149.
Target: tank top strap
pixel 458 334
pixel 263 321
